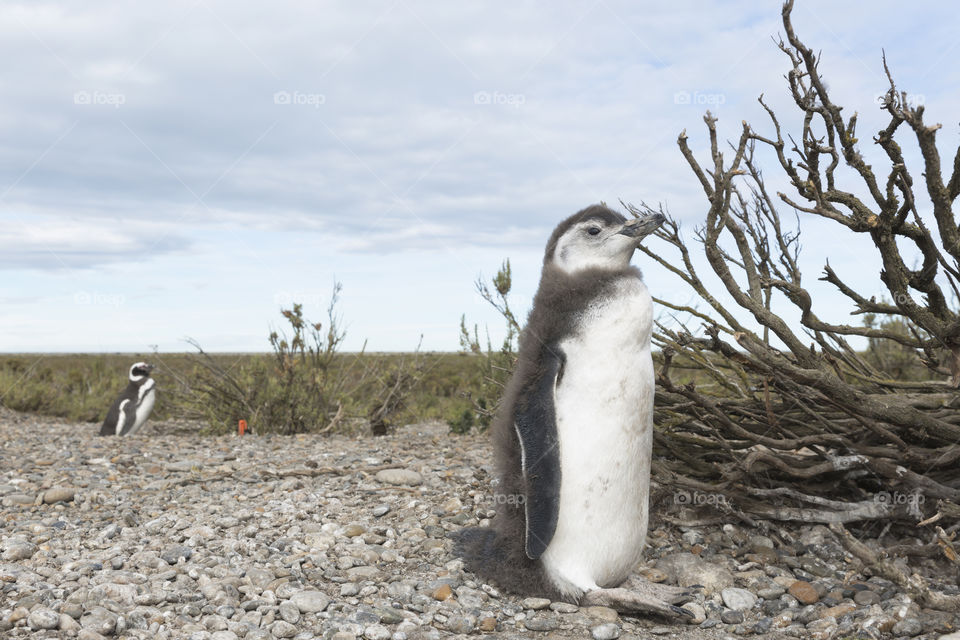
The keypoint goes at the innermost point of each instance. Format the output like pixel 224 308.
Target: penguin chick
pixel 128 412
pixel 573 435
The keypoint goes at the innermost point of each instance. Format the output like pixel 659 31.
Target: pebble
pixel 866 598
pixel 687 569
pixel 542 622
pixel 730 616
pixel 173 554
pixel 564 607
pixel 698 612
pixel 908 627
pixel 207 538
pixel 14 550
pixel 535 603
pixel 59 494
pixel 738 599
pixel 443 592
pixel 283 629
pixel 310 601
pixel 399 477
pixel 608 631
pixel 605 614
pixel 376 632
pixel 460 624
pixel 43 618
pixel 804 592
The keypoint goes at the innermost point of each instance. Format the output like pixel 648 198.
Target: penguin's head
pixel 140 370
pixel 598 238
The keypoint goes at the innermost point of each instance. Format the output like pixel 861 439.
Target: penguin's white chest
pixel 147 396
pixel 604 413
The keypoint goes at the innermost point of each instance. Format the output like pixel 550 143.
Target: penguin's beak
pixel 641 227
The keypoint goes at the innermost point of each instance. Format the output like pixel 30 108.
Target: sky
pixel 187 169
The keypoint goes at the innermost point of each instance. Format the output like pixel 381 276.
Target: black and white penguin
pixel 133 407
pixel 573 436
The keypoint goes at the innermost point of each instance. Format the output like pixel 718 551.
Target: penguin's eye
pixel 593 230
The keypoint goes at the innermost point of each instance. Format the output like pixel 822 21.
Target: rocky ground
pixel 169 535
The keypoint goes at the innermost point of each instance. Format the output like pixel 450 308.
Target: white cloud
pixel 181 151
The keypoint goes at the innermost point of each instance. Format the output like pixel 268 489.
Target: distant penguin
pixel 133 407
pixel 573 436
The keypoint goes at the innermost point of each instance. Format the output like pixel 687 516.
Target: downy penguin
pixel 573 435
pixel 133 407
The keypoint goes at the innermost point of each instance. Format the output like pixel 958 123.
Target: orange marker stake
pixel 242 427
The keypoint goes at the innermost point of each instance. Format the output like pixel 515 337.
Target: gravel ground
pixel 168 535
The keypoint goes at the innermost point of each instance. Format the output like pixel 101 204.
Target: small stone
pixel 606 614
pixel 59 494
pixel 488 624
pixel 564 607
pixel 362 573
pixel 763 625
pixel 535 603
pixel 376 632
pixel 289 612
pixel 542 622
pixel 43 618
pixel 390 616
pixel 283 629
pixel 731 616
pixel 16 549
pixel 771 592
pixel 399 476
pixel 839 610
pixel 381 510
pixel 223 635
pixel 686 569
pixel 652 574
pixel 608 631
pixel 99 620
pixel 171 555
pixel 738 599
pixel 89 634
pixel 443 592
pixel 804 592
pixel 866 598
pixel 310 601
pixel 68 624
pixel 698 612
pixel 908 627
pixel 460 624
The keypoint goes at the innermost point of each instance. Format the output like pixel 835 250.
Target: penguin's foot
pixel 642 597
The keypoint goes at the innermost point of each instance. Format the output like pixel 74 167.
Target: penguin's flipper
pixel 109 427
pixel 128 415
pixel 535 421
